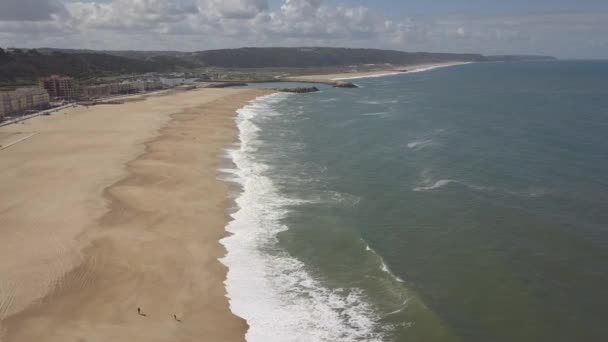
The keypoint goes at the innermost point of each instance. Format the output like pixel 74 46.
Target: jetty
pixel 335 84
pixel 299 90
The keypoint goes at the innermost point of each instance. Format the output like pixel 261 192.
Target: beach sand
pixel 392 70
pixel 109 208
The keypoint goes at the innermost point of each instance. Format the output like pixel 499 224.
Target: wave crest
pixel 437 185
pixel 420 144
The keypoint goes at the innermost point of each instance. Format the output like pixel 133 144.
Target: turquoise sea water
pixel 467 203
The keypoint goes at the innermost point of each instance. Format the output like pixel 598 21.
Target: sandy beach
pixel 111 208
pixel 392 70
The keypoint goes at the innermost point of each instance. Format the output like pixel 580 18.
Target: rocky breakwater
pixel 345 85
pixel 300 90
pixel 226 85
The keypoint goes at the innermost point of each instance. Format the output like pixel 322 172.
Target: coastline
pixel 392 71
pixel 140 227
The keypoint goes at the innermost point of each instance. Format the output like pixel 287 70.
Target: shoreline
pixel 418 68
pixel 392 71
pixel 130 233
pixel 134 233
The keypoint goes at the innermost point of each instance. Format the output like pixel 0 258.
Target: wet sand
pixel 114 207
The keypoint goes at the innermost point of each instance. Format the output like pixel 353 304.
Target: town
pixel 57 91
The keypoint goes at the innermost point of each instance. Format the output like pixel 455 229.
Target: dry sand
pixel 110 208
pixel 380 72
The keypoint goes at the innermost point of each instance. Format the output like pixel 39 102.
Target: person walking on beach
pixel 175 318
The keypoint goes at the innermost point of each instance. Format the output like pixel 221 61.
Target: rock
pixel 226 85
pixel 345 85
pixel 301 90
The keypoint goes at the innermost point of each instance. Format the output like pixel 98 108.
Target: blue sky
pixel 563 28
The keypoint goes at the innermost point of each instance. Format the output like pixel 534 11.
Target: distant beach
pixel 390 71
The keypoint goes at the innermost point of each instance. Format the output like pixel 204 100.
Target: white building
pixel 177 81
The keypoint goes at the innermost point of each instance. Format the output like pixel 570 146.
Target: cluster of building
pixel 117 88
pixel 23 100
pixel 68 89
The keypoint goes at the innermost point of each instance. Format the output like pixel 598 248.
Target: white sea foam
pixel 537 192
pixel 437 185
pixel 420 144
pixel 383 265
pixel 388 270
pixel 378 114
pixel 273 291
pixel 403 307
pixel 341 198
pixel 333 99
pixel 429 185
pixel 378 102
pixel 533 192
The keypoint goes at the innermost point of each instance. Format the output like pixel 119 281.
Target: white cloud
pixel 236 9
pixel 204 24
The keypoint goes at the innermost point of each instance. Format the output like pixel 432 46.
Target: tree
pixel 4 57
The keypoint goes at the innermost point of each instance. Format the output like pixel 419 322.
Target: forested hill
pixel 281 57
pixel 319 57
pixel 26 65
pixel 301 57
pixel 23 66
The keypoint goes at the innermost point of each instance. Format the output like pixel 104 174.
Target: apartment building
pixel 23 100
pixel 125 87
pixel 60 87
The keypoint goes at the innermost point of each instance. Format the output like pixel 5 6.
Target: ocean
pixel 467 203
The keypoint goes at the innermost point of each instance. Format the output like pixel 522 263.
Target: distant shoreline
pixel 409 70
pixel 390 71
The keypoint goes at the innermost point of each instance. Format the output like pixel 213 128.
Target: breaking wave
pixel 266 286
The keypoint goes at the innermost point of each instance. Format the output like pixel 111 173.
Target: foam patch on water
pixel 333 99
pixel 380 114
pixel 420 144
pixel 378 102
pixel 437 185
pixel 383 266
pixel 273 291
pixel 428 184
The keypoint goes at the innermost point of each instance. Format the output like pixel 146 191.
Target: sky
pixel 561 28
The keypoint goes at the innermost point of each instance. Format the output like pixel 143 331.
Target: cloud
pixel 130 15
pixel 206 24
pixel 28 10
pixel 237 9
pixel 559 34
